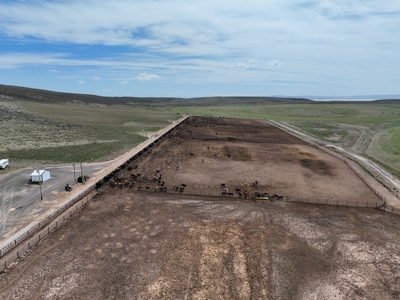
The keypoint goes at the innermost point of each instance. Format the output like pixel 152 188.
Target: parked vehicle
pixel 3 163
pixel 83 178
pixel 68 187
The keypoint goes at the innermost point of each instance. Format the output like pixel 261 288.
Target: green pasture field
pixel 325 112
pixel 386 145
pixel 96 132
pixel 373 128
pixel 100 131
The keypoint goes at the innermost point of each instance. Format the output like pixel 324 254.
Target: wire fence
pixel 253 197
pixel 101 185
pixel 98 187
pixel 336 202
pixel 392 210
pixel 16 252
pixel 373 174
pixel 344 158
pixel 44 222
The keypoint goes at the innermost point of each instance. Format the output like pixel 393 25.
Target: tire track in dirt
pixel 217 262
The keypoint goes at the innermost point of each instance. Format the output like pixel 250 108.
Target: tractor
pixel 68 187
pixel 83 178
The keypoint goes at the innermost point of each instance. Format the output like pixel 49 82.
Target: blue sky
pixel 186 48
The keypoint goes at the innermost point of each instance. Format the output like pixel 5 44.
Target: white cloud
pixel 274 64
pixel 266 24
pixel 123 82
pixel 196 40
pixel 17 59
pixel 80 82
pixel 240 66
pixel 96 78
pixel 146 77
pixel 53 71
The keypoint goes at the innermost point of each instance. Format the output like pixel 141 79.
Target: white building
pixel 42 176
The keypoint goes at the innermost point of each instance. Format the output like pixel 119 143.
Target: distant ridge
pixel 355 98
pixel 45 96
pixel 16 93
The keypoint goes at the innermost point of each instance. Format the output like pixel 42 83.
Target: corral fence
pixel 36 233
pixel 84 197
pixel 15 252
pixel 130 164
pixel 336 202
pixel 252 197
pixel 344 158
pixel 391 209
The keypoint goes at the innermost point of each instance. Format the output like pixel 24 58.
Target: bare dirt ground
pixel 208 152
pixel 130 244
pixel 137 245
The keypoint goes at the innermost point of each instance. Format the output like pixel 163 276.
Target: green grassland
pixel 72 132
pixel 53 133
pixel 386 144
pixel 339 113
pixel 373 128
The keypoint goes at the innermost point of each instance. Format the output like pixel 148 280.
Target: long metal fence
pixel 252 197
pixel 391 209
pixel 42 223
pixel 345 158
pixel 98 187
pixel 320 145
pixel 101 185
pixel 15 252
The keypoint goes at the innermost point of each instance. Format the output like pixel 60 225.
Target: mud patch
pixel 237 153
pixel 318 166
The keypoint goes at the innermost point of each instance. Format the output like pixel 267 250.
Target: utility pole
pixel 74 172
pixel 40 185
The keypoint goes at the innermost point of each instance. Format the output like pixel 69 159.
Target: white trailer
pixel 42 176
pixel 3 163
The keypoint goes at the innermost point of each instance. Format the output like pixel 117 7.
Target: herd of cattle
pixel 156 184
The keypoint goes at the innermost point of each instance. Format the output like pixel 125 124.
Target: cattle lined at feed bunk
pixel 255 160
pixel 143 183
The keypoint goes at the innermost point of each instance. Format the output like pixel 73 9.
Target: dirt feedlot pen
pixel 160 245
pixel 139 245
pixel 243 158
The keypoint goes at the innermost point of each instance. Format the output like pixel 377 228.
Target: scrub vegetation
pixel 51 133
pixel 45 126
